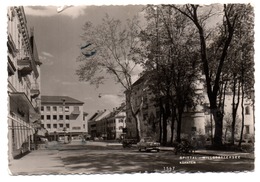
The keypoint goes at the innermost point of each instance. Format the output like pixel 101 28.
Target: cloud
pixel 47 54
pixel 88 98
pixel 48 11
pixel 113 100
pixel 46 58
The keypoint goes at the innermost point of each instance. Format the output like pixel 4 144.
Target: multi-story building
pixel 23 84
pixel 108 125
pixel 94 124
pixel 195 121
pixel 112 125
pixel 63 116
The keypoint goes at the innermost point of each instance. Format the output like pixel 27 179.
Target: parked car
pixel 128 142
pixel 148 144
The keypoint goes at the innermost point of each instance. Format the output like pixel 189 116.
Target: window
pixel 67 108
pixel 61 125
pixel 54 117
pixel 60 117
pixel 42 125
pixel 67 117
pixel 67 125
pixel 48 108
pixel 42 108
pixel 54 108
pixel 120 127
pixel 48 125
pixel 76 128
pixel 121 121
pixel 76 108
pixel 247 110
pixel 48 117
pixel 54 125
pixel 84 126
pixel 60 108
pixel 247 131
pixel 42 117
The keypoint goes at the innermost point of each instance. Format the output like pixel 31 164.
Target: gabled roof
pixel 142 78
pixel 116 111
pixel 59 100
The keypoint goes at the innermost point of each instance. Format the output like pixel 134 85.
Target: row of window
pixel 54 117
pixel 61 125
pixel 58 108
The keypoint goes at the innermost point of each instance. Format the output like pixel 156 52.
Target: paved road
pixel 100 158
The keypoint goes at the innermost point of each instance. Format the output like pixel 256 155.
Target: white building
pixel 23 84
pixel 108 125
pixel 63 116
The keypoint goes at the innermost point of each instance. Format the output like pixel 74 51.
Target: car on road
pixel 148 144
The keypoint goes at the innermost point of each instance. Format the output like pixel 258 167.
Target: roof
pixel 59 100
pixel 142 78
pixel 116 111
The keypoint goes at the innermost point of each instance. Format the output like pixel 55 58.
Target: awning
pixel 20 102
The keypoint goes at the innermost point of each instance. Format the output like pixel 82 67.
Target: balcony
pixel 11 67
pixel 11 46
pixel 35 90
pixel 24 66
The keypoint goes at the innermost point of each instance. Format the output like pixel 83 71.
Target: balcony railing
pixel 35 90
pixel 24 66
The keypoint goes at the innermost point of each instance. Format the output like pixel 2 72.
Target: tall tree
pixel 240 63
pixel 171 60
pixel 231 14
pixel 108 52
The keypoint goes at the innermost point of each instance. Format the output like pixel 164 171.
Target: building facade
pixel 23 84
pixel 108 125
pixel 63 117
pixel 195 121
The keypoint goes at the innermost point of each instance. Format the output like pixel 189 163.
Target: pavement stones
pixel 40 162
pixel 48 161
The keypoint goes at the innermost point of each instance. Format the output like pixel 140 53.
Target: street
pixel 98 157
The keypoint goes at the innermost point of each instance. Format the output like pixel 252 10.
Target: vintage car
pixel 148 144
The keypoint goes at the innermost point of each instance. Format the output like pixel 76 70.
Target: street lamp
pixel 63 109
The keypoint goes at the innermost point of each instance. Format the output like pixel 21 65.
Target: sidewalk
pixel 39 162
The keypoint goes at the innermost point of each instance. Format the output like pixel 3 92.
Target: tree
pixel 240 65
pixel 108 52
pixel 167 54
pixel 231 14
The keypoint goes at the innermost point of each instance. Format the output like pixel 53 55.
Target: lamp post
pixel 64 125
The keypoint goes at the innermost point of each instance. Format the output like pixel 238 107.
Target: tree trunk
pixel 234 111
pixel 135 116
pixel 173 122
pixel 160 121
pixel 164 127
pixel 243 114
pixel 160 128
pixel 218 118
pixel 179 126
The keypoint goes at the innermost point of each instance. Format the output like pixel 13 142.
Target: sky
pixel 58 41
pixel 57 37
